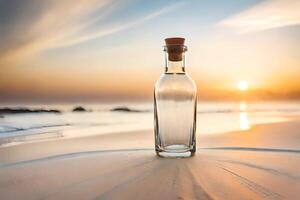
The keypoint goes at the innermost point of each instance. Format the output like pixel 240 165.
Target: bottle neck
pixel 175 67
pixel 175 59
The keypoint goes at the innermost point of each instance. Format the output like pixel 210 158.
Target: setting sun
pixel 243 85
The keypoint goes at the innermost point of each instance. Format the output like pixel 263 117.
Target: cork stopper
pixel 175 48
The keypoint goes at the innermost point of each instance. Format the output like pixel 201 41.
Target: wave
pixel 9 129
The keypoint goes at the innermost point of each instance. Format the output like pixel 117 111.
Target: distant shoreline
pixel 26 110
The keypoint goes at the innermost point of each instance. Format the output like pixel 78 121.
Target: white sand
pixel 262 163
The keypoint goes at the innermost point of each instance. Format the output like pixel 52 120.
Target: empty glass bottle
pixel 175 105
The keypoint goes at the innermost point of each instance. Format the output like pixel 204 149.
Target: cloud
pixel 116 28
pixel 31 26
pixel 266 15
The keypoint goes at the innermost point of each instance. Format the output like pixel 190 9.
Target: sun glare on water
pixel 243 85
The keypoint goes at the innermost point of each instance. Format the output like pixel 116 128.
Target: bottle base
pixel 175 151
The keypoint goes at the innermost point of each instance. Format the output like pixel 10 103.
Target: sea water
pixel 212 118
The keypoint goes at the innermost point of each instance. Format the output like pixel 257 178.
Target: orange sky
pixel 81 53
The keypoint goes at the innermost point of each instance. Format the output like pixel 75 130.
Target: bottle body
pixel 175 105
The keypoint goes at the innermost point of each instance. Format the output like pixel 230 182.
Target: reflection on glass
pixel 243 118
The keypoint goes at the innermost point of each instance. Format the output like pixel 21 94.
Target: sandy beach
pixel 261 163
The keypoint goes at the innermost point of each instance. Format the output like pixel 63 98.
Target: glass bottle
pixel 175 105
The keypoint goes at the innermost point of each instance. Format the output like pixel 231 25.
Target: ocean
pixel 212 118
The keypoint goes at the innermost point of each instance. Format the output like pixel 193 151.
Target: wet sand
pixel 262 163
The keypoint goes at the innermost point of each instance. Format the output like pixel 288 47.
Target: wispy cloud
pixel 118 27
pixel 36 25
pixel 60 23
pixel 266 15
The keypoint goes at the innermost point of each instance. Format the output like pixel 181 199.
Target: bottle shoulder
pixel 172 79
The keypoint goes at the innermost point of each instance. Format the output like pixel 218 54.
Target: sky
pixel 111 50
